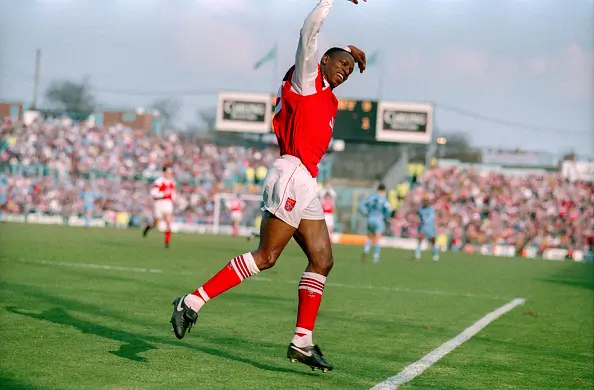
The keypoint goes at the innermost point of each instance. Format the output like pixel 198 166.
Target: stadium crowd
pixel 44 167
pixel 486 207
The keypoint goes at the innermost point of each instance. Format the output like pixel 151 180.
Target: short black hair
pixel 330 52
pixel 381 187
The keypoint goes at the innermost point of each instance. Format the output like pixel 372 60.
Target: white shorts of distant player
pixel 291 193
pixel 329 217
pixel 162 207
pixel 236 216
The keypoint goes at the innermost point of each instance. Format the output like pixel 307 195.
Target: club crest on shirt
pixel 290 204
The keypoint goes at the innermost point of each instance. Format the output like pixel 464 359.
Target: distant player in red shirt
pixel 303 123
pixel 163 194
pixel 235 206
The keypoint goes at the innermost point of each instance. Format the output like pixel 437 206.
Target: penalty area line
pixel 415 369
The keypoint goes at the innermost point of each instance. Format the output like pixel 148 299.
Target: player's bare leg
pixel 312 236
pixel 149 226
pixel 434 249
pixel 235 227
pixel 367 247
pixel 419 245
pixel 376 239
pixel 88 218
pixel 274 236
pixel 168 222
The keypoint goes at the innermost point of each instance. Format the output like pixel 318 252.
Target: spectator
pixel 45 167
pixel 541 210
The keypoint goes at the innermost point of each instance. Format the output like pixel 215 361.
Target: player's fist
pixel 356 1
pixel 359 56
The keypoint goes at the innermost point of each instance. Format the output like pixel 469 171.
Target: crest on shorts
pixel 290 204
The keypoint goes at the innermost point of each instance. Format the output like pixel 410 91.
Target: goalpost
pixel 251 214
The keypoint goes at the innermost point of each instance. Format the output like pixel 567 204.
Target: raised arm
pixel 306 58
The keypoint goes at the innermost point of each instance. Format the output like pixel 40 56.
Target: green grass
pixel 66 327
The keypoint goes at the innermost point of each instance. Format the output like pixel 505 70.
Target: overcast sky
pixel 529 61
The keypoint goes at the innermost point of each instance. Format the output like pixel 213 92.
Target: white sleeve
pixel 306 58
pixel 155 192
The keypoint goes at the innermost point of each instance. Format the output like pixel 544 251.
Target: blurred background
pixel 485 107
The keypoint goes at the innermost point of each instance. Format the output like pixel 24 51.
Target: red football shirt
pixel 306 106
pixel 304 124
pixel 163 189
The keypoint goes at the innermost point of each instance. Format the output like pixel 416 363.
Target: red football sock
pixel 311 288
pixel 238 269
pixel 167 236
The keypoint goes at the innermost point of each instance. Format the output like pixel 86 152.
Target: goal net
pixel 225 211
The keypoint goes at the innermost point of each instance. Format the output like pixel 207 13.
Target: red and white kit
pixel 163 192
pixel 235 206
pixel 303 122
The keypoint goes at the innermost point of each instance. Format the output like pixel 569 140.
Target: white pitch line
pixel 255 278
pixel 409 290
pixel 415 369
pixel 85 265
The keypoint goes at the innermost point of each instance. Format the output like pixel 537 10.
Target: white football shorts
pixel 236 215
pixel 291 193
pixel 163 207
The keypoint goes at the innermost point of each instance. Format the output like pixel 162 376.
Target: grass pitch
pixel 89 308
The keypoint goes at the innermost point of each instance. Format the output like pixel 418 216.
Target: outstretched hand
pixel 359 56
pixel 356 1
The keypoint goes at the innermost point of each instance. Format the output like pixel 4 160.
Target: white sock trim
pixel 244 266
pixel 203 294
pixel 251 263
pixel 302 341
pixel 313 275
pixel 303 330
pixel 312 282
pixel 194 301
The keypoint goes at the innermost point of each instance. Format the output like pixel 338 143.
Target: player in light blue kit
pixel 88 197
pixel 427 228
pixel 377 209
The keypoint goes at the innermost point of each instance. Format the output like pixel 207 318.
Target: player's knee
pixel 328 264
pixel 265 258
pixel 323 266
pixel 323 261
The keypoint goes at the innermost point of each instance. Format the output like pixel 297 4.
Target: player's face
pixel 169 173
pixel 337 68
pixel 426 202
